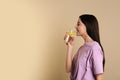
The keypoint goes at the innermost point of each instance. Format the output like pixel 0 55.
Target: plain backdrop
pixel 32 31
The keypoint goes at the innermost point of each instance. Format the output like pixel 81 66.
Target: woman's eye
pixel 78 24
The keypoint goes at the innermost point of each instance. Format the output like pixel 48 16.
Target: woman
pixel 88 62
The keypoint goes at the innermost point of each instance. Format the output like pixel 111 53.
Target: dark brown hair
pixel 92 28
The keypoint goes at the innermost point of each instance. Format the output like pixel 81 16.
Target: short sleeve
pixel 97 60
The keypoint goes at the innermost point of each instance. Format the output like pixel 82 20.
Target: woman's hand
pixel 70 41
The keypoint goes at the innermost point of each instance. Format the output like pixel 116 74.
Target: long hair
pixel 92 28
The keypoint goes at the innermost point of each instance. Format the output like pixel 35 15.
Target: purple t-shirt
pixel 87 62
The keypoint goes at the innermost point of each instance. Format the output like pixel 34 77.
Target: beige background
pixel 31 36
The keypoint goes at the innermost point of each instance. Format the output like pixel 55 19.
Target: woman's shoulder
pixel 93 45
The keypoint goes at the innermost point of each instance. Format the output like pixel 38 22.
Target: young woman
pixel 88 62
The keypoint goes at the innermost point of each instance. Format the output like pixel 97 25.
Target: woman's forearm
pixel 68 59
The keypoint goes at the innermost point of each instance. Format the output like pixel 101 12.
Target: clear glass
pixel 70 33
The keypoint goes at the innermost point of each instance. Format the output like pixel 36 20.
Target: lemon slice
pixel 72 33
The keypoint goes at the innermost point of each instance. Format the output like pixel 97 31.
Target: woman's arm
pixel 99 77
pixel 68 58
pixel 69 54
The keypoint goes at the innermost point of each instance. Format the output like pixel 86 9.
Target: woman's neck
pixel 87 38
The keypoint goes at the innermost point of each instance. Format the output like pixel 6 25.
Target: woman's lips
pixel 77 30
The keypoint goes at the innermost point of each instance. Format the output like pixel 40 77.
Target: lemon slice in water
pixel 72 33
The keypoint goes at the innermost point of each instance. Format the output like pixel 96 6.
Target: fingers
pixel 68 39
pixel 65 36
pixel 71 41
pixel 71 38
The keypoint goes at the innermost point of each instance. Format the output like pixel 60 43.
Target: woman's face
pixel 80 28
